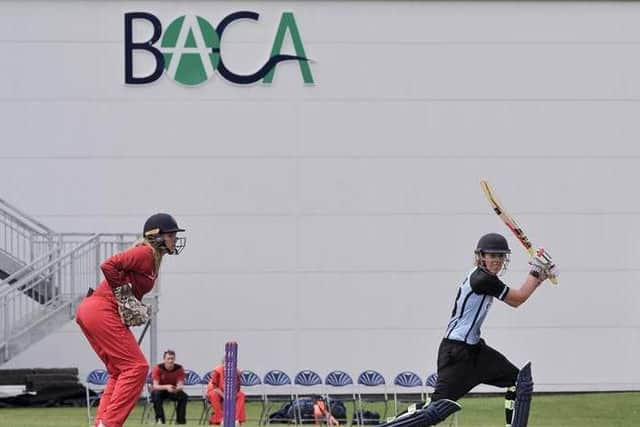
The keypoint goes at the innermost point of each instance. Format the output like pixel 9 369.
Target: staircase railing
pixel 54 281
pixel 22 237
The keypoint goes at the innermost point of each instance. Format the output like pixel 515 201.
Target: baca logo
pixel 189 50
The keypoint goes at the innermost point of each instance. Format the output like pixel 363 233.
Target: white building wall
pixel 329 225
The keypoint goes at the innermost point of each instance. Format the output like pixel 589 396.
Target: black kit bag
pixel 366 417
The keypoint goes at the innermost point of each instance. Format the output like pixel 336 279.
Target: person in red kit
pixel 168 381
pixel 106 315
pixel 215 393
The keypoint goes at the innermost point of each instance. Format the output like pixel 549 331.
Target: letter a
pixel 288 22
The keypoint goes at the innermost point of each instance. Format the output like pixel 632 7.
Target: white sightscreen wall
pixel 329 225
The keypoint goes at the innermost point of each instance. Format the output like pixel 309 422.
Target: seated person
pixel 215 394
pixel 321 413
pixel 168 381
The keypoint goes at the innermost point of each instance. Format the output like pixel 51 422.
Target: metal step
pixel 49 319
pixel 44 275
pixel 14 270
pixel 9 264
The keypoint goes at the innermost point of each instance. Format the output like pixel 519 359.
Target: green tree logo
pixel 188 49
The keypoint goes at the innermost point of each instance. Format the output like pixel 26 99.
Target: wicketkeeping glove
pixel 132 311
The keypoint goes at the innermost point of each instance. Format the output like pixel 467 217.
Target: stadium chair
pixel 251 380
pixel 407 380
pixel 206 406
pixel 377 393
pixel 273 382
pixel 247 379
pixel 430 384
pixel 340 379
pixel 147 409
pixel 99 378
pixel 311 382
pixel 191 379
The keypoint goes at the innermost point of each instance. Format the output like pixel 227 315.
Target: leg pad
pixel 431 415
pixel 524 392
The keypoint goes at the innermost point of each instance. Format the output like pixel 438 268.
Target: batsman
pixel 464 359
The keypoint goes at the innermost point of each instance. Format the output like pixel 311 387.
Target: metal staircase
pixel 44 275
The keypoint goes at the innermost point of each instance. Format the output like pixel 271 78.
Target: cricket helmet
pixel 160 223
pixel 157 225
pixel 493 243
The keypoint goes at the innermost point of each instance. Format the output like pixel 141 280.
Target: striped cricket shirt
pixel 475 296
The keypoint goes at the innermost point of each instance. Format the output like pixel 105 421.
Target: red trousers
pixel 116 346
pixel 218 411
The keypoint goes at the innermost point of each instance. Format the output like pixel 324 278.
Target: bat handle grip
pixel 532 252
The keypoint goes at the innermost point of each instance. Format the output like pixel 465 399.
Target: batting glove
pixel 542 265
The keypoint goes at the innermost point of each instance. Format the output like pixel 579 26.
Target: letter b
pixel 130 46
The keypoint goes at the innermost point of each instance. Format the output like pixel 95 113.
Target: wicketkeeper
pixel 106 315
pixel 464 359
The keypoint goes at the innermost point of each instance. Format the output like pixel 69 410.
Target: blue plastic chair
pixel 273 382
pixel 340 379
pixel 251 380
pixel 431 380
pixel 148 404
pixel 206 406
pixel 311 382
pixel 99 378
pixel 430 383
pixel 276 378
pixel 206 378
pixel 247 379
pixel 191 379
pixel 375 382
pixel 307 378
pixel 407 380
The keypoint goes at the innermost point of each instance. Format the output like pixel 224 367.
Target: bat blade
pixel 509 221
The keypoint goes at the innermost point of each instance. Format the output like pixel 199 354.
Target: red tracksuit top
pixel 163 376
pixel 135 266
pixel 217 379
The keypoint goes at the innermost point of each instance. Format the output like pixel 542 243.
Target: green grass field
pixel 560 410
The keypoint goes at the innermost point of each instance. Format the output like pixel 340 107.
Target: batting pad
pixel 434 413
pixel 524 392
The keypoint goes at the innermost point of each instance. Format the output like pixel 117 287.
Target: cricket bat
pixel 509 221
